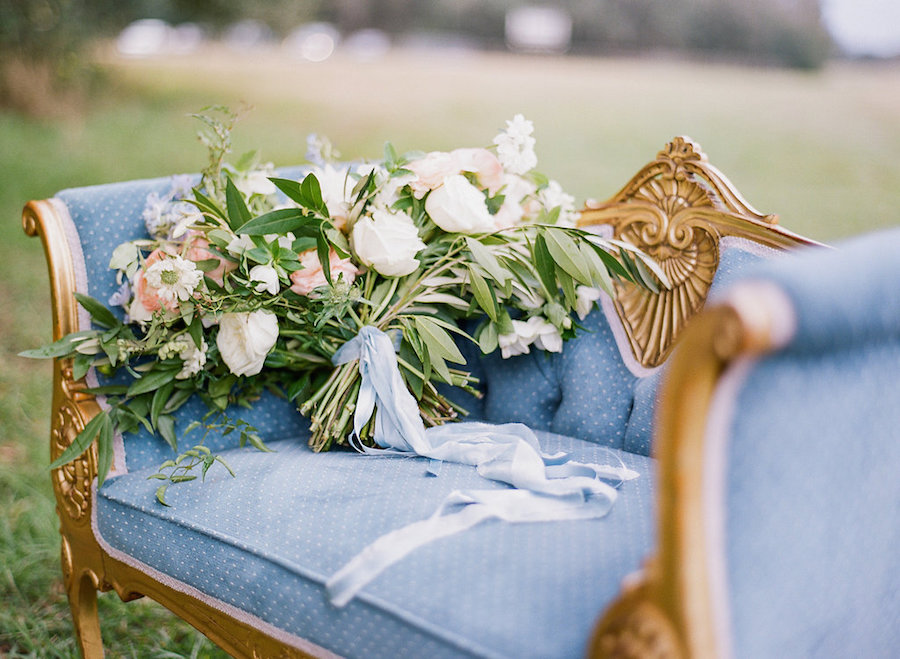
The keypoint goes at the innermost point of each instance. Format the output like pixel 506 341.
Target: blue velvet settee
pixel 764 524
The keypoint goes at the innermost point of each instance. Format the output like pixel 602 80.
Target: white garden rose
pixel 245 338
pixel 459 207
pixel 387 242
pixel 264 278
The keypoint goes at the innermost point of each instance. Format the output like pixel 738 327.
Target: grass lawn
pixel 818 149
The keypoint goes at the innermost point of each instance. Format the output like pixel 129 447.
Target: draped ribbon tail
pixel 543 487
pixel 514 506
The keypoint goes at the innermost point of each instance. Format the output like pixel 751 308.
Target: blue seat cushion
pixel 267 540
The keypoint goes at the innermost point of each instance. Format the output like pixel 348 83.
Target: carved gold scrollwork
pixel 72 481
pixel 643 633
pixel 663 223
pixel 676 209
pixel 65 552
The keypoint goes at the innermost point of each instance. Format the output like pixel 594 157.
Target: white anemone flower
pixel 536 330
pixel 174 278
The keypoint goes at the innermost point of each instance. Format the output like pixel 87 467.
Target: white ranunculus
pixel 245 338
pixel 459 207
pixel 387 242
pixel 264 278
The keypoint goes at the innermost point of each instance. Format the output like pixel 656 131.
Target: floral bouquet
pixel 250 282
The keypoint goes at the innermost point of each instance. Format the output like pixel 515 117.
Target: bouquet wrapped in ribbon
pixel 248 281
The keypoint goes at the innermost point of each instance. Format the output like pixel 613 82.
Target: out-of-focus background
pixel 797 101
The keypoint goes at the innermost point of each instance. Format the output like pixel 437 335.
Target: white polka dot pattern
pixel 266 541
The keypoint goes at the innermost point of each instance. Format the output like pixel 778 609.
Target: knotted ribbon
pixel 547 487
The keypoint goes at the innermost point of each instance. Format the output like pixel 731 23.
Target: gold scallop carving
pixel 645 633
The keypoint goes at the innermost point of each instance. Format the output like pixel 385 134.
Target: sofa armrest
pixel 776 439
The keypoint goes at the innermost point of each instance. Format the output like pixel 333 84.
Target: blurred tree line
pixel 40 40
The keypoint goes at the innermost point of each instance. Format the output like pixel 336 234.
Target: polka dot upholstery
pixel 266 540
pixel 588 391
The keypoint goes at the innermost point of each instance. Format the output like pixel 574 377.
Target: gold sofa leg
pixel 81 590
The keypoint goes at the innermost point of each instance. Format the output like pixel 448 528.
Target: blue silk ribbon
pixel 546 487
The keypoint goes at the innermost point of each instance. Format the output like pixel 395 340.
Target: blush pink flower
pixel 199 251
pixel 311 276
pixel 484 164
pixel 431 170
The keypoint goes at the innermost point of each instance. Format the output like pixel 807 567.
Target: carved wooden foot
pixel 82 593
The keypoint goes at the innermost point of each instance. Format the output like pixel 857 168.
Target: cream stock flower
pixel 515 146
pixel 245 338
pixel 193 359
pixel 459 207
pixel 387 242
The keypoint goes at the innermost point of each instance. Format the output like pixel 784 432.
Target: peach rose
pixel 311 276
pixel 431 171
pixel 199 251
pixel 484 165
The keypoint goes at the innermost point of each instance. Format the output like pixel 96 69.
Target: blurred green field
pixel 818 149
